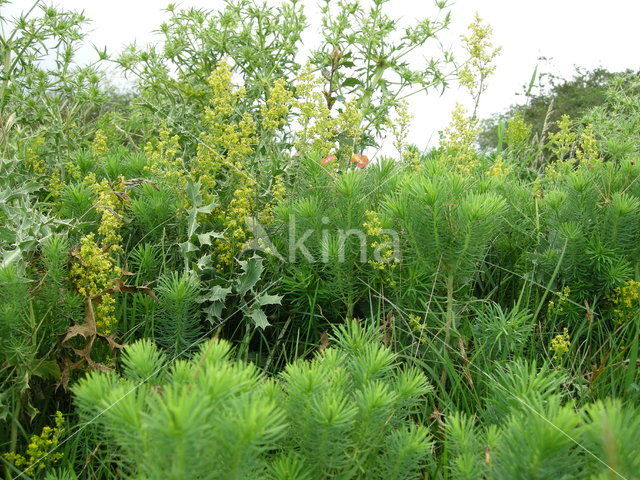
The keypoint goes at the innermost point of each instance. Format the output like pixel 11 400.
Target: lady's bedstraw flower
pixel 278 192
pixel 563 140
pixel 560 344
pixel 324 129
pixel 518 131
pixel 33 156
pixel 625 300
pixel 459 141
pixel 40 452
pixel 558 306
pixel 499 169
pixel 384 259
pixel 241 206
pixel 587 152
pixel 275 110
pixel 401 126
pixel 165 164
pixel 110 207
pixel 94 275
pixel 99 145
pixel 419 326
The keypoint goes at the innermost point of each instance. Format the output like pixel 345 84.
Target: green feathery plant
pixel 177 323
pixel 347 413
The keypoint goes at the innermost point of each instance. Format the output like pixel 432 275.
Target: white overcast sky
pixel 586 33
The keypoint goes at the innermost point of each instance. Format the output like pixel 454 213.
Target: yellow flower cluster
pixel 561 143
pixel 94 276
pixel 39 454
pixel 164 163
pixel 110 208
pixel 587 152
pixel 418 326
pixel 233 218
pixel 411 156
pixel 563 140
pixel 557 170
pixel 518 132
pixel 625 301
pixel 274 111
pixel 560 344
pixel 481 55
pixel 401 125
pixel 55 184
pixel 278 189
pixel 99 146
pixel 316 129
pixel 33 156
pixel 499 169
pixel 278 192
pixel 34 159
pixel 228 140
pixel 72 170
pixel 459 140
pixel 382 246
pixel 319 130
pixel 562 301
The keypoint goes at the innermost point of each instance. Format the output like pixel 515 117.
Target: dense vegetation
pixel 215 276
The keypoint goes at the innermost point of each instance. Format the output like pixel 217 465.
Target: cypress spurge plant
pixel 448 224
pixel 345 414
pixel 528 429
pixel 177 322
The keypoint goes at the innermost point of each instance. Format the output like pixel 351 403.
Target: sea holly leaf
pixel 204 262
pixel 216 294
pixel 214 311
pixel 266 299
pixel 193 194
pixel 251 272
pixel 205 238
pixel 259 318
pixel 10 256
pixel 186 247
pixel 192 222
pixel 208 208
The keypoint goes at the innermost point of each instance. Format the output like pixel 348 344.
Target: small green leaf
pixel 47 369
pixel 351 82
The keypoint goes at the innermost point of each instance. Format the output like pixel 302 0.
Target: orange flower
pixel 327 159
pixel 359 159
